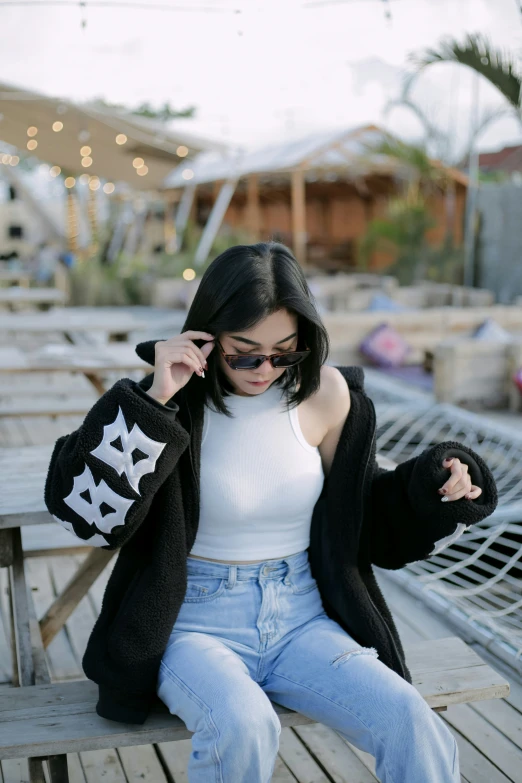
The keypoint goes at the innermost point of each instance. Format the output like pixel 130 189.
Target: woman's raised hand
pixel 175 361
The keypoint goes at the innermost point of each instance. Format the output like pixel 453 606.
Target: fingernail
pixel 444 491
pixel 202 373
pixel 444 499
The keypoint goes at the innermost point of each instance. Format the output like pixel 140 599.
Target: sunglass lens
pixel 245 363
pixel 288 359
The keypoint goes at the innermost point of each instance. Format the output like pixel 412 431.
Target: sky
pixel 277 69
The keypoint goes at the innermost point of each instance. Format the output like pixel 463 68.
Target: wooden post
pixel 169 227
pixel 253 214
pixel 299 215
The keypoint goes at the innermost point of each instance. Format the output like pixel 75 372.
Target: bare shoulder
pixel 335 405
pixel 335 394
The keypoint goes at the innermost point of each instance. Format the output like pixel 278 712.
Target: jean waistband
pixel 271 568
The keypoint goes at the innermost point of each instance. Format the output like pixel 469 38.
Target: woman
pixel 248 508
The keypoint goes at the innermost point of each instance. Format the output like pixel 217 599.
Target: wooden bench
pixel 50 720
pixel 46 405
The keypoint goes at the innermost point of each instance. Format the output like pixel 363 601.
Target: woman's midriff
pixel 240 562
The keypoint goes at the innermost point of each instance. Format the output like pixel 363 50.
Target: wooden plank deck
pixel 489 733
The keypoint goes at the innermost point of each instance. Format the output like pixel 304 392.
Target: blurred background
pixel 381 140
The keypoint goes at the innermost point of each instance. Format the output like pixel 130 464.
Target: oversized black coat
pixel 128 479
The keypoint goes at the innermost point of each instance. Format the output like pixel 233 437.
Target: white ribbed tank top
pixel 259 481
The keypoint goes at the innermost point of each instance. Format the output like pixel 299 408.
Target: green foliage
pixel 402 233
pixel 423 175
pixel 128 280
pixel 477 52
pixel 173 265
pixel 125 282
pixel 163 113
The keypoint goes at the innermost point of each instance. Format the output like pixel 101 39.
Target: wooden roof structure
pixel 63 128
pixel 319 155
pixel 326 156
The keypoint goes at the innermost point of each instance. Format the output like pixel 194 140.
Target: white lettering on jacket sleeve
pixel 95 540
pixel 122 460
pixel 87 499
pixel 442 543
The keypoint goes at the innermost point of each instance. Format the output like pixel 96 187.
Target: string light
pixel 70 182
pixel 86 162
pixel 121 138
pixel 57 126
pixel 85 151
pixel 55 171
pixel 15 160
pixel 94 184
pixel 32 144
pixel 187 174
pixel 182 151
pixel 137 162
pixel 142 171
pixel 84 179
pixel 32 131
pixel 107 4
pixel 109 187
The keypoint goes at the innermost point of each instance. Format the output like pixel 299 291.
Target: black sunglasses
pixel 254 360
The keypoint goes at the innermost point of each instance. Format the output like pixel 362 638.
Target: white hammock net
pixel 477 581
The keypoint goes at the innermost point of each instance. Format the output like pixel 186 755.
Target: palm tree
pixel 500 68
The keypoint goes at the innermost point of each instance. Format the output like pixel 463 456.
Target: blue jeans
pixel 248 634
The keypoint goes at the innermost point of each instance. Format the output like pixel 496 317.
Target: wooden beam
pixel 59 611
pixel 214 222
pixel 253 213
pixel 299 215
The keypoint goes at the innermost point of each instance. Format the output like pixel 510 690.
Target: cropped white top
pixel 259 481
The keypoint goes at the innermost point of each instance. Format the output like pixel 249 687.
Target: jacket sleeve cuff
pixel 428 475
pixel 170 408
pixel 123 707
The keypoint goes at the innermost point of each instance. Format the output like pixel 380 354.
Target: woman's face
pixel 277 333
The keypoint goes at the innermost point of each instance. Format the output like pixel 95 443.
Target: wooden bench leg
pixel 28 654
pixel 20 612
pixel 77 587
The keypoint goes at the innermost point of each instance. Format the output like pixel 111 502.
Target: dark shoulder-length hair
pixel 240 288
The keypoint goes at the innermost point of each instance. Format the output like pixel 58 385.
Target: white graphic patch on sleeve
pixel 98 494
pixel 95 540
pixel 442 543
pixel 122 461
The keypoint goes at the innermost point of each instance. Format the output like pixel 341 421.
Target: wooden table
pixel 103 322
pixel 91 361
pixel 43 298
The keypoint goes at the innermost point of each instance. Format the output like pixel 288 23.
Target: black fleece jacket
pixel 128 479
